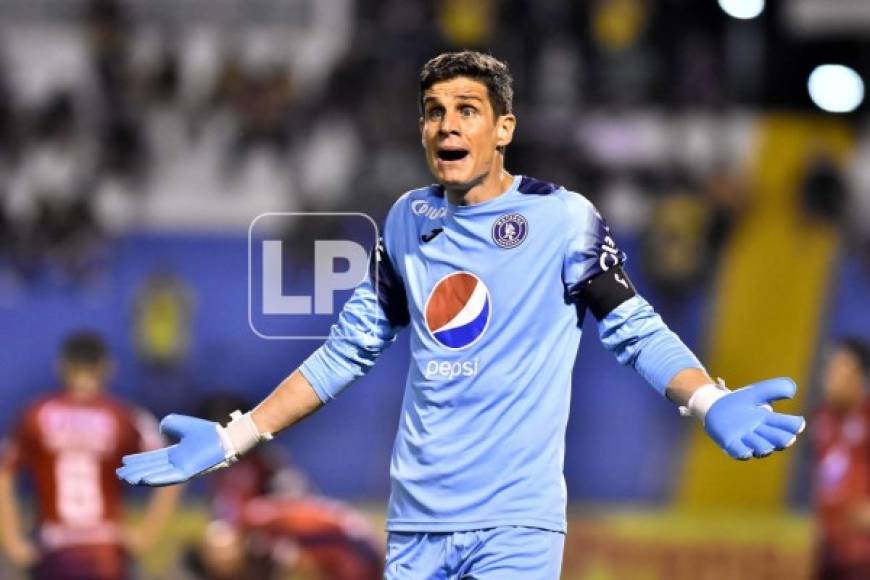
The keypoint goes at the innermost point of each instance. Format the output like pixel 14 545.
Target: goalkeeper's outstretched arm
pixel 362 332
pixel 291 401
pixel 741 422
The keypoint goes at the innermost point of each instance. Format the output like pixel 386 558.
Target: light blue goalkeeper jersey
pixel 490 292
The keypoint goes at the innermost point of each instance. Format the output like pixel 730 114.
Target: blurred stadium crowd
pixel 128 115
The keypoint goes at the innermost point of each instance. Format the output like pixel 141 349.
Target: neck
pixel 484 188
pixel 846 406
pixel 81 396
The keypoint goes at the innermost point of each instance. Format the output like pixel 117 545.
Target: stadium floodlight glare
pixel 742 9
pixel 836 88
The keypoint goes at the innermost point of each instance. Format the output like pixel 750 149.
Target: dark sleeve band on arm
pixel 389 287
pixel 605 292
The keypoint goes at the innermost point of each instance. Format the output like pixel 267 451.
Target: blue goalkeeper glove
pixel 203 446
pixel 742 422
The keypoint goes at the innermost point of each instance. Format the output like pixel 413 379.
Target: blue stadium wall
pixel 623 441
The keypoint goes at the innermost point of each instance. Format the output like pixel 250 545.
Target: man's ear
pixel 505 126
pixel 422 135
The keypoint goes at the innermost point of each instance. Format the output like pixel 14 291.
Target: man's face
pixel 843 379
pixel 84 381
pixel 461 132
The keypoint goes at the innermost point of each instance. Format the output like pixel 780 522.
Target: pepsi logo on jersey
pixel 457 311
pixel 444 369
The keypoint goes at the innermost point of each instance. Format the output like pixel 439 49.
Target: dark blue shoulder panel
pixel 532 186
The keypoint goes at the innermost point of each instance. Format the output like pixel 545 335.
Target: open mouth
pixel 452 154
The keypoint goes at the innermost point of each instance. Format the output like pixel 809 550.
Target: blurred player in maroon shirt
pixel 308 537
pixel 840 435
pixel 269 521
pixel 328 540
pixel 69 443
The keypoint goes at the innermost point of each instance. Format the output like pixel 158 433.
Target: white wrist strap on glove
pixel 240 435
pixel 703 398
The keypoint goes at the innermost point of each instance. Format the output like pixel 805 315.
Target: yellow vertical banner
pixel 768 306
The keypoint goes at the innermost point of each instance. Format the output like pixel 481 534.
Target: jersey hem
pixel 442 526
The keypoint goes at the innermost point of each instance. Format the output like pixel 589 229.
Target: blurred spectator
pixel 50 198
pixel 108 28
pixel 676 251
pixel 824 189
pixel 8 129
pixel 262 106
pixel 840 436
pixel 727 198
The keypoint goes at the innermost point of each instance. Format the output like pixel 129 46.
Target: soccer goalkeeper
pixel 494 274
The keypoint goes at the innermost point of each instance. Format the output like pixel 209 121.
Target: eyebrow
pixel 464 97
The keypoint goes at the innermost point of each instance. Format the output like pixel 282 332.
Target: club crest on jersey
pixel 458 310
pixel 510 230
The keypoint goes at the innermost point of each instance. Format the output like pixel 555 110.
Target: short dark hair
pixel 858 349
pixel 84 347
pixel 475 65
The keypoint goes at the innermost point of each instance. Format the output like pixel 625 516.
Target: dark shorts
pixel 83 563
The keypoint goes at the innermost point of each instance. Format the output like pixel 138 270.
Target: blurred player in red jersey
pixel 841 443
pixel 268 536
pixel 328 540
pixel 269 521
pixel 308 537
pixel 69 444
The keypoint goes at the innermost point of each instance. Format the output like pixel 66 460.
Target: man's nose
pixel 449 124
